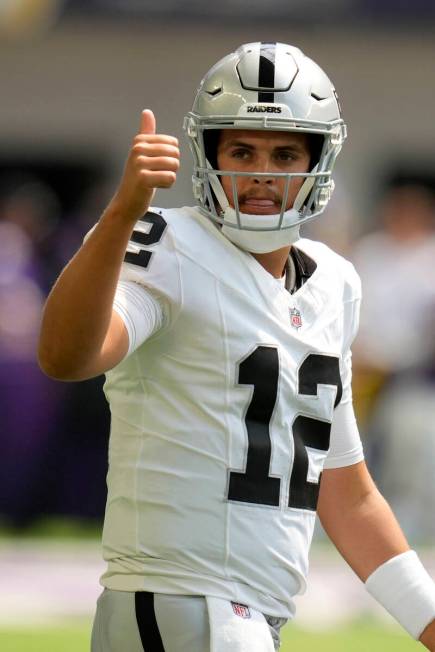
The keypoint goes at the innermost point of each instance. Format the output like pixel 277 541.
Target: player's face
pixel 244 150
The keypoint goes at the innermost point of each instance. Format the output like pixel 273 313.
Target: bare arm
pixel 358 520
pixel 361 524
pixel 428 636
pixel 81 336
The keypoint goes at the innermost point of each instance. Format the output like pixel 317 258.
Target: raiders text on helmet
pixel 260 108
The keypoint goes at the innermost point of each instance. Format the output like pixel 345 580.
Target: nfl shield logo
pixel 295 318
pixel 241 610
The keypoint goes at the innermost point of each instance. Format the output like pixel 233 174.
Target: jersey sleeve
pixel 345 443
pixel 148 295
pixel 140 311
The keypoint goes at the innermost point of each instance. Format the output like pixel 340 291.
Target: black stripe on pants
pixel 147 623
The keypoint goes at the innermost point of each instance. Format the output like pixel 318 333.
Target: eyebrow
pixel 240 143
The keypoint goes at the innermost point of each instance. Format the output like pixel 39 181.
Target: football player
pixel 225 338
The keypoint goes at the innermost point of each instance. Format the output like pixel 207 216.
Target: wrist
pixel 403 586
pixel 116 213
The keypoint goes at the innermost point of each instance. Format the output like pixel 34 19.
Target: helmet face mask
pixel 266 87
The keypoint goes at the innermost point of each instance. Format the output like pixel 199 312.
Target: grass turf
pixel 359 637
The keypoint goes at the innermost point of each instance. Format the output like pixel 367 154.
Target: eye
pixel 285 156
pixel 240 153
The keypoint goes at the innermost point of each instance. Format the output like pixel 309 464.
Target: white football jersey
pixel 223 419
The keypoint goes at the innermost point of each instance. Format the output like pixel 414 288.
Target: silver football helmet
pixel 269 87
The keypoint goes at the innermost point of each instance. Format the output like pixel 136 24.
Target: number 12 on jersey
pixel 261 370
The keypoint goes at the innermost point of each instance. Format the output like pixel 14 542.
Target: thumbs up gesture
pixel 152 163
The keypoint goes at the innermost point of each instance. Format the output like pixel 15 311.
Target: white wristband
pixel 406 590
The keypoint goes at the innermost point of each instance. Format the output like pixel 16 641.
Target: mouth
pixel 260 206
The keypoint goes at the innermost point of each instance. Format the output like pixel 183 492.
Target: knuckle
pixel 139 148
pixel 144 175
pixel 140 164
pixel 135 146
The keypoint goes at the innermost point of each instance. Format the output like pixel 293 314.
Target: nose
pixel 267 181
pixel 263 166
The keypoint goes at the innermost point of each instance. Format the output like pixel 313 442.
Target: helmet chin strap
pixel 252 232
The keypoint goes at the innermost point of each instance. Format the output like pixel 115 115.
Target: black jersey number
pixel 261 370
pixel 154 235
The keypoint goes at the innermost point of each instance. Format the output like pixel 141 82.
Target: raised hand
pixel 152 163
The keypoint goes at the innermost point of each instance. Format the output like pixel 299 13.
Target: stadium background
pixel 74 77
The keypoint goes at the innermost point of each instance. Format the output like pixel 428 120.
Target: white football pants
pixel 154 622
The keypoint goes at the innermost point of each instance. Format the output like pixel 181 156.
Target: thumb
pixel 147 122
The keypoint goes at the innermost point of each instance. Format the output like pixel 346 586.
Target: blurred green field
pixel 360 637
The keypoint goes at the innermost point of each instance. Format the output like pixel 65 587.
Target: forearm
pixel 367 533
pixel 78 310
